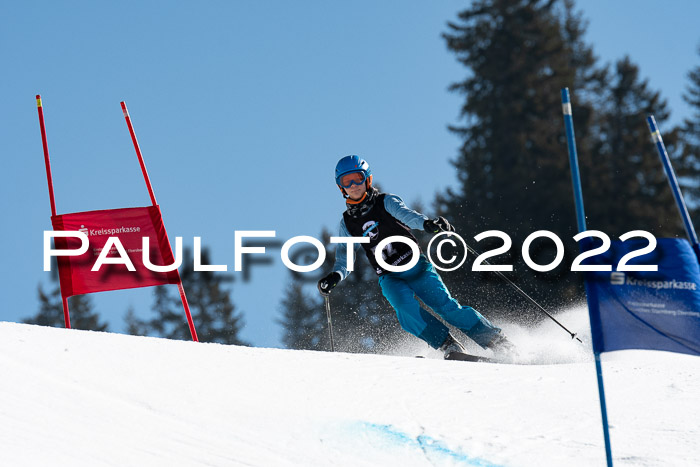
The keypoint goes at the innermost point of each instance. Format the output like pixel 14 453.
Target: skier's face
pixel 356 191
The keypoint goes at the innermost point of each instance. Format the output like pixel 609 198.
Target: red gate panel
pixel 129 225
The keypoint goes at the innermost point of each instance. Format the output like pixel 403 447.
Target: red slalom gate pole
pixel 186 305
pixel 66 314
pixel 46 153
pixel 138 153
pixel 49 179
pixel 180 288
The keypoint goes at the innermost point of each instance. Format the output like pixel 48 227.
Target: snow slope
pixel 77 398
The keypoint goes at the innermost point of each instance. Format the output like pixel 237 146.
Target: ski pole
pixel 522 292
pixel 330 324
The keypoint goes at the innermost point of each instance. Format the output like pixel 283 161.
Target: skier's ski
pixel 465 357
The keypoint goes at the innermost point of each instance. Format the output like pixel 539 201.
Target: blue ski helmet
pixel 349 164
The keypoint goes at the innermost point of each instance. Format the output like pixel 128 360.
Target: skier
pixel 381 215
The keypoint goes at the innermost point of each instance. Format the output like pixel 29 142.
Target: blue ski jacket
pixel 395 206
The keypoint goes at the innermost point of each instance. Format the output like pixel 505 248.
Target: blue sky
pixel 242 109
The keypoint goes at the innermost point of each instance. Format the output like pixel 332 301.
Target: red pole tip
pixel 38 100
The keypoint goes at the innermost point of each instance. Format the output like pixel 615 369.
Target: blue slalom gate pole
pixel 671 175
pixel 573 159
pixel 581 223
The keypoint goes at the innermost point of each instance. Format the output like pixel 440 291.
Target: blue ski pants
pixel 423 281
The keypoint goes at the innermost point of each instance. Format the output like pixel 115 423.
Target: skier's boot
pixel 450 346
pixel 502 347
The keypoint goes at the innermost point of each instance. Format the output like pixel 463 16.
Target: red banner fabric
pixel 130 225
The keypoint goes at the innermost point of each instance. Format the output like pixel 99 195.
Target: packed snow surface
pixel 78 398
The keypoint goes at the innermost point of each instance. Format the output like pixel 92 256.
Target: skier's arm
pixel 340 270
pixel 396 207
pixel 341 257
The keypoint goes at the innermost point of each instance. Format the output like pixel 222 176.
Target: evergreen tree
pixel 51 309
pixel 303 325
pixel 134 326
pixel 690 142
pixel 520 55
pixel 513 169
pixel 628 189
pixel 213 313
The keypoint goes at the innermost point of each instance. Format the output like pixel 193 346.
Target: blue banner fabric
pixel 646 310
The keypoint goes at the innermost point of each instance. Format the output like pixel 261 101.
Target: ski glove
pixel 326 284
pixel 438 224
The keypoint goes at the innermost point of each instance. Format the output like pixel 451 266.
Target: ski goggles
pixel 352 178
